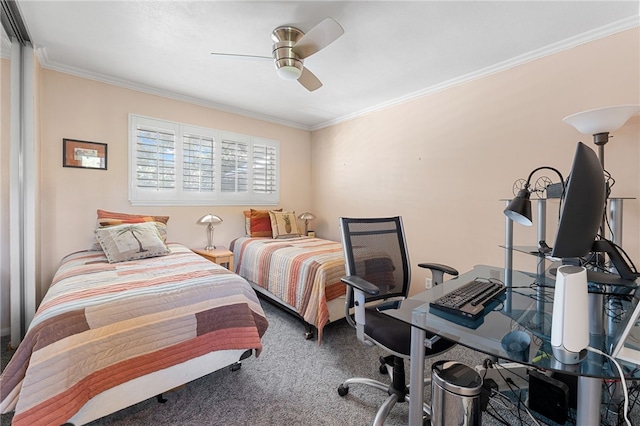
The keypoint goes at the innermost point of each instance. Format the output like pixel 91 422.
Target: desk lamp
pixel 209 220
pixel 519 209
pixel 599 122
pixel 307 217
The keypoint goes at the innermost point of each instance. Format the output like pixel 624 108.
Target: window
pixel 177 164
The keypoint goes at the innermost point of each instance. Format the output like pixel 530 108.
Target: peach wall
pixel 445 161
pixel 73 107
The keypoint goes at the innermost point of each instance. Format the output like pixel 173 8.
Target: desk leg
pixel 416 372
pixel 590 389
pixel 589 396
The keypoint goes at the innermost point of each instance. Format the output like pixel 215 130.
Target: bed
pixel 109 335
pixel 301 274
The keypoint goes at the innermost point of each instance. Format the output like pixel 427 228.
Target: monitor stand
pixel 618 261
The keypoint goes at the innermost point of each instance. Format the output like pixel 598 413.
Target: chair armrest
pixel 361 284
pixel 393 304
pixel 438 270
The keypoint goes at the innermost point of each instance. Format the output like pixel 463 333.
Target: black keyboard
pixel 470 300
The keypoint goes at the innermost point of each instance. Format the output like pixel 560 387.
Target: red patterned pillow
pixel 260 223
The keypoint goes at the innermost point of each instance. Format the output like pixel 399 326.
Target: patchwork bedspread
pixel 103 324
pixel 304 272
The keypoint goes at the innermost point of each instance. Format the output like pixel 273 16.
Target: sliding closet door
pixel 20 246
pixel 22 200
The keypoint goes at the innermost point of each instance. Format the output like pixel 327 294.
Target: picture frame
pixel 84 154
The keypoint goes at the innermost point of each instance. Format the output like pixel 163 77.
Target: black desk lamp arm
pixel 527 185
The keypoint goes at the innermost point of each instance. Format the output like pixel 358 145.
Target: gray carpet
pixel 293 382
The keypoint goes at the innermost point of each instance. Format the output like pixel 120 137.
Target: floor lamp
pixel 600 122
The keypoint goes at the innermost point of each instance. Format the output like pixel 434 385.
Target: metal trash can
pixel 455 394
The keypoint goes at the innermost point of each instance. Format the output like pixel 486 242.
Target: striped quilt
pixel 304 272
pixel 101 325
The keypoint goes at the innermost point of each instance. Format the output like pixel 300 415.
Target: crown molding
pixel 126 84
pixel 590 36
pixel 599 33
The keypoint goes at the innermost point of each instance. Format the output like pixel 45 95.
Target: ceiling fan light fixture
pixel 289 72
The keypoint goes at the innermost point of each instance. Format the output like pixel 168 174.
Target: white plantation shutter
pixel 155 158
pixel 198 163
pixel 176 164
pixel 235 161
pixel 264 169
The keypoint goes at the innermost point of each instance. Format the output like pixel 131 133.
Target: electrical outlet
pixel 428 283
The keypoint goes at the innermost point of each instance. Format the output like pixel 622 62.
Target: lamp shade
pixel 209 220
pixel 519 209
pixel 306 216
pixel 602 120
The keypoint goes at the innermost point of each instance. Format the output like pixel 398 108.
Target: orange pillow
pixel 261 223
pixel 129 218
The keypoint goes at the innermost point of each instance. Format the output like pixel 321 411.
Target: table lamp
pixel 599 122
pixel 307 217
pixel 209 220
pixel 519 209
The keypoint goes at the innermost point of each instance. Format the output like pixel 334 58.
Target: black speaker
pixel 571 380
pixel 549 397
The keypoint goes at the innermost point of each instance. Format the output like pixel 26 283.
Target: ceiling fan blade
pixel 318 37
pixel 237 56
pixel 309 80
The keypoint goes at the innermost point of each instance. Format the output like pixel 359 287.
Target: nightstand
pixel 220 255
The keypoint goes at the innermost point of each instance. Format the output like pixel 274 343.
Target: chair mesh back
pixel 375 250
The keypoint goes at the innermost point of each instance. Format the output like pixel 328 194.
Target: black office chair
pixel 377 267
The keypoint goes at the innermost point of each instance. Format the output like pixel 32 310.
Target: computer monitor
pixel 583 206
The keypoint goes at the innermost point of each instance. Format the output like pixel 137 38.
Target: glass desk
pixel 525 307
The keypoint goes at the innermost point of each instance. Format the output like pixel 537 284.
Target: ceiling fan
pixel 291 47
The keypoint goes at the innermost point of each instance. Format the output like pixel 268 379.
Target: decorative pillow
pixel 106 218
pixel 131 241
pixel 129 218
pixel 284 224
pixel 261 223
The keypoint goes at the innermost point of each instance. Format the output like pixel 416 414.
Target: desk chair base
pixel 397 390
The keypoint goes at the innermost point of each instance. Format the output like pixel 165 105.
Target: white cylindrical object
pixel 570 322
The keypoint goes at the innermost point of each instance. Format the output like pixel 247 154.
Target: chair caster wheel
pixel 383 365
pixel 343 390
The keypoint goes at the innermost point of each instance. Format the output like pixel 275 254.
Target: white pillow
pixel 131 241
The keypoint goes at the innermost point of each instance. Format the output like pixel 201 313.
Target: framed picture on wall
pixel 84 154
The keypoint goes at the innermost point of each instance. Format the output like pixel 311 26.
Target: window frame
pixel 139 196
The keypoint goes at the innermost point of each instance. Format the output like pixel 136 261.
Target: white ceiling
pixel 391 51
